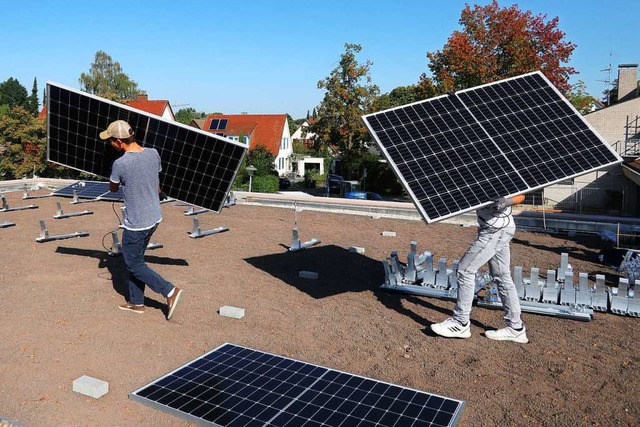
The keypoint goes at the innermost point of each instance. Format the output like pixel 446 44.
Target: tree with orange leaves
pixel 497 43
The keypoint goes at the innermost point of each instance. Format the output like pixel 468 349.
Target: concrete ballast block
pixel 235 312
pixel 308 275
pixel 389 233
pixel 356 249
pixel 90 386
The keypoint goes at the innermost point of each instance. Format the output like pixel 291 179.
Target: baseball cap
pixel 118 129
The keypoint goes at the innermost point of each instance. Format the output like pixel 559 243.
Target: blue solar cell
pixel 92 190
pixel 238 386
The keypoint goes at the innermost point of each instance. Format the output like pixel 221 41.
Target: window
pixel 218 124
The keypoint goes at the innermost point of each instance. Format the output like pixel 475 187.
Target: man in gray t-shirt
pixel 137 173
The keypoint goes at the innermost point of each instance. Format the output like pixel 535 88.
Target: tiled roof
pixel 156 107
pixel 263 129
pixel 199 123
pixel 43 112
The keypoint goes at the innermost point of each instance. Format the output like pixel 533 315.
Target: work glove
pixel 163 195
pixel 502 203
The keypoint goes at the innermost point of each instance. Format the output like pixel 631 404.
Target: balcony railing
pixel 628 148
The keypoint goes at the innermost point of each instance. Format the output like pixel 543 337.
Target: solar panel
pixel 235 386
pixel 459 152
pixel 197 167
pixel 98 190
pixel 218 124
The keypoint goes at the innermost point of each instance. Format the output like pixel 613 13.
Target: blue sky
pixel 261 56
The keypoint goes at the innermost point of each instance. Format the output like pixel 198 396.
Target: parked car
pixel 363 195
pixel 335 183
pixel 373 196
pixel 284 183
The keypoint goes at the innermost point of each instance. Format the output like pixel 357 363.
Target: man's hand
pixel 162 195
pixel 502 203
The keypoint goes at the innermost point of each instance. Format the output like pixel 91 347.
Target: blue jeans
pixel 492 247
pixel 134 243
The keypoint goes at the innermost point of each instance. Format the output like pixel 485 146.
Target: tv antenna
pixel 608 83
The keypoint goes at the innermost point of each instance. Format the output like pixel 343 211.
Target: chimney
pixel 627 81
pixel 142 97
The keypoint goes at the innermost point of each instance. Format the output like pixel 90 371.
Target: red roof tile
pixel 262 129
pixel 153 107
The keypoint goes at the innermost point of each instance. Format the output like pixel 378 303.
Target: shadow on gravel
pixel 118 271
pixel 339 271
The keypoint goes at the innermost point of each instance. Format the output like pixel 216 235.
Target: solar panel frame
pixel 234 386
pixel 198 167
pixel 456 153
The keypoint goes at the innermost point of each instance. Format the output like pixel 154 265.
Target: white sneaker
pixel 451 328
pixel 508 334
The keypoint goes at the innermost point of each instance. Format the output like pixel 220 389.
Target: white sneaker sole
pixel 448 334
pixel 521 339
pixel 175 304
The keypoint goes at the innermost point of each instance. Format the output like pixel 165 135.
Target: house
pixel 268 130
pixel 306 163
pixel 613 191
pixel 160 108
pixel 303 135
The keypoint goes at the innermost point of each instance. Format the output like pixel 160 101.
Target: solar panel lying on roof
pixel 97 190
pixel 197 167
pixel 458 152
pixel 235 386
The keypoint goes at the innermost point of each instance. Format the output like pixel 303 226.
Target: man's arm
pixel 114 186
pixel 516 200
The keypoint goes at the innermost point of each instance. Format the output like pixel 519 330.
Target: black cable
pixel 501 215
pixel 113 207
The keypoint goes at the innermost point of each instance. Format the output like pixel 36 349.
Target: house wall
pixel 303 132
pixel 613 122
pixel 312 162
pixel 605 191
pixel 283 159
pixel 167 114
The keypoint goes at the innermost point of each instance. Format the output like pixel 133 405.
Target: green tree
pixel 13 94
pixel 186 115
pixel 106 79
pixel 349 94
pixel 262 159
pixel 496 43
pixel 292 124
pixel 580 99
pixel 23 138
pixel 400 96
pixel 33 105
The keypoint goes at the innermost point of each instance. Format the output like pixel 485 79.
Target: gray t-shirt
pixel 137 174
